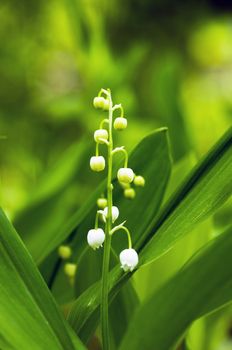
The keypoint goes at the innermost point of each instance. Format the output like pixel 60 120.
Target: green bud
pixel 70 269
pixel 139 181
pixel 102 203
pixel 64 251
pixel 129 193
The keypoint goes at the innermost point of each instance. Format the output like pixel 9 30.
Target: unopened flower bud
pixel 129 193
pixel 70 269
pixel 120 123
pixel 139 181
pixel 101 134
pixel 115 213
pixel 64 252
pixel 129 259
pixel 95 238
pixel 97 163
pixel 99 102
pixel 102 203
pixel 125 175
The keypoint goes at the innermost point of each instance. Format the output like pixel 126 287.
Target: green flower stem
pixel 107 244
pixel 122 149
pixel 104 121
pixel 121 227
pixel 96 219
pixel 97 149
pixel 119 106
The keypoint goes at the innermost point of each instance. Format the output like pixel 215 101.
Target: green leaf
pixel 25 296
pixel 122 308
pixel 206 177
pixel 209 332
pixel 19 312
pixel 202 286
pixel 207 187
pixel 51 198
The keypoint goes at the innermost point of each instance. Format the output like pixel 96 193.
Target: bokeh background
pixel 168 62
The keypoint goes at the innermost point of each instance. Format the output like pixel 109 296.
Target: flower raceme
pixel 127 178
pixel 125 175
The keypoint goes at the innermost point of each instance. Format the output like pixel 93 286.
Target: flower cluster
pixel 108 212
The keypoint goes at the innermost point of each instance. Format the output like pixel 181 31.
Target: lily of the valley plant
pixel 107 211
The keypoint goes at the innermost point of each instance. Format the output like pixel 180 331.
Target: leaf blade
pixel 205 189
pixel 25 267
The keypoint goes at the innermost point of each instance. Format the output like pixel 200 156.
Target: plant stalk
pixel 107 243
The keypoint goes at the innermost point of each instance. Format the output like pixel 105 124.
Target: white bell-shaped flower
pixel 129 259
pixel 115 213
pixel 120 123
pixel 95 238
pixel 125 175
pixel 97 163
pixel 100 135
pixel 99 102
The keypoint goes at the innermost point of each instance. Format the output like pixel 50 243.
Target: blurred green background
pixel 168 62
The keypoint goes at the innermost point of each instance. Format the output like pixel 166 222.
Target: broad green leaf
pixel 32 286
pixel 54 196
pixel 204 191
pixel 19 313
pixel 202 286
pixel 207 333
pixel 122 308
pixel 213 168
